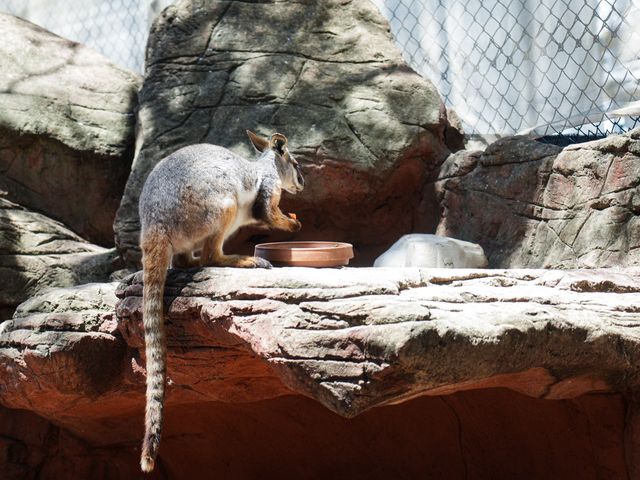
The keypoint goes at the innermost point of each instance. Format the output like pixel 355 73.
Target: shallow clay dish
pixel 306 254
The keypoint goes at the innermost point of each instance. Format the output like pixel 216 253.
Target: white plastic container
pixel 432 251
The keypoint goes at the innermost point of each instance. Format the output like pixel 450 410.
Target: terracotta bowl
pixel 305 254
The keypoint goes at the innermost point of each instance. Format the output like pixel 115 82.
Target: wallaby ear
pixel 260 143
pixel 278 142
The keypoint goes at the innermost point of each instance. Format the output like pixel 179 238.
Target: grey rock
pixel 66 128
pixel 357 338
pixel 37 253
pixel 66 341
pixel 367 129
pixel 534 205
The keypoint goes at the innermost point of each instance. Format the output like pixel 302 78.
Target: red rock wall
pixel 482 434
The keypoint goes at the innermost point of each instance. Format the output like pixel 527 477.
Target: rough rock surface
pixel 480 434
pixel 538 206
pixel 66 128
pixel 366 128
pixel 357 338
pixel 31 447
pixel 37 253
pixel 462 365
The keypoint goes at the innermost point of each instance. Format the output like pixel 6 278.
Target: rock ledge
pixel 453 349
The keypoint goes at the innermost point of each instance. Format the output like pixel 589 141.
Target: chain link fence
pixel 544 67
pixel 116 28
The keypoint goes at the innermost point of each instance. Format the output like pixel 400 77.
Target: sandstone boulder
pixel 367 129
pixel 66 128
pixel 460 365
pixel 357 338
pixel 534 205
pixel 60 346
pixel 37 253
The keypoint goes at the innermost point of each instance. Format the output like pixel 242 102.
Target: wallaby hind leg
pixel 212 255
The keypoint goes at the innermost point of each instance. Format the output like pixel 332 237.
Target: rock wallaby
pixel 193 200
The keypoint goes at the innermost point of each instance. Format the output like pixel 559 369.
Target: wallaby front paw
pixel 295 225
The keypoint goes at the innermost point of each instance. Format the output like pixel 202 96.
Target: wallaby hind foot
pixel 239 261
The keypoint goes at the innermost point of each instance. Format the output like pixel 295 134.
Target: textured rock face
pixel 37 253
pixel 66 128
pixel 31 447
pixel 461 366
pixel 367 130
pixel 357 338
pixel 534 205
pixel 429 437
pixel 65 339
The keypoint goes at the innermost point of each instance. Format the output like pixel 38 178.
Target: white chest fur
pixel 244 216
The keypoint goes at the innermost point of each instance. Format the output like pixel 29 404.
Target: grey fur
pixel 205 177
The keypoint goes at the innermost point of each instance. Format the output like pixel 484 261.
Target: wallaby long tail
pixel 156 252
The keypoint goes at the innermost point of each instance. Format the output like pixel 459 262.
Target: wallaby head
pixel 288 168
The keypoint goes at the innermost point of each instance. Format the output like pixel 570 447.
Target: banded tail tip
pixel 147 463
